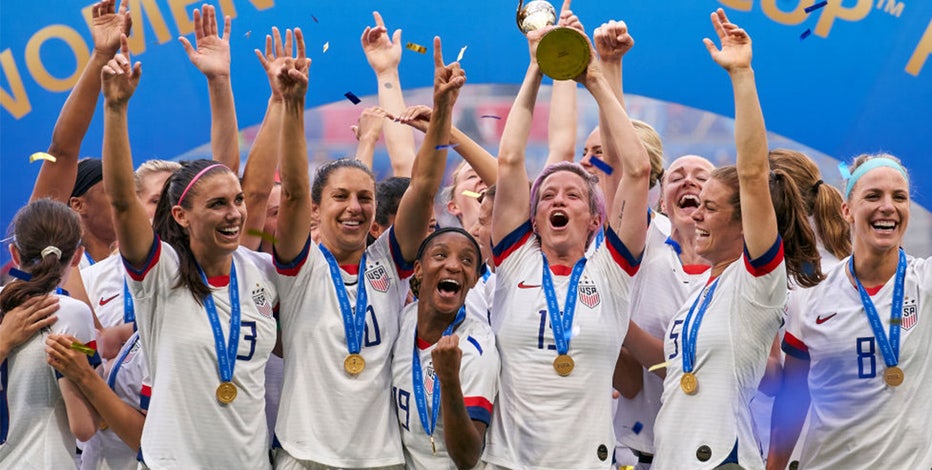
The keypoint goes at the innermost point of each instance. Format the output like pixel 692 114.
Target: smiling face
pixel 719 237
pixel 878 210
pixel 214 221
pixel 563 216
pixel 346 209
pixel 465 208
pixel 682 183
pixel 447 269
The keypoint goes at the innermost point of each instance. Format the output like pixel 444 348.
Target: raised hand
pixel 292 77
pixel 369 125
pixel 417 116
pixel 20 323
pixel 383 54
pixel 736 44
pixel 119 79
pixel 276 56
pixel 612 41
pixel 108 25
pixel 212 56
pixel 446 357
pixel 448 79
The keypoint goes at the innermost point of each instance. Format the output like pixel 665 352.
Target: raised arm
pixel 368 129
pixel 294 216
pixel 627 213
pixel 259 174
pixel 124 420
pixel 561 122
pixel 612 41
pixel 481 161
pixel 56 179
pixel 133 230
pixel 212 58
pixel 759 222
pixel 384 55
pixel 414 209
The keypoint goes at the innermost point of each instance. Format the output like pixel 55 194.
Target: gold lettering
pixel 182 16
pixel 228 8
pixel 740 5
pixel 797 16
pixel 137 40
pixel 835 10
pixel 18 103
pixel 34 60
pixel 923 49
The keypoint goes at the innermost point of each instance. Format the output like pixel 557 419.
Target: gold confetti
pixel 263 235
pixel 82 348
pixel 662 365
pixel 41 156
pixel 416 48
pixel 326 46
pixel 471 194
pixel 459 56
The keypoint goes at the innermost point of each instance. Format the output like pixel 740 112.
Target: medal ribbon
pixel 354 325
pixel 129 308
pixel 562 325
pixel 889 346
pixel 226 354
pixel 689 340
pixel 420 396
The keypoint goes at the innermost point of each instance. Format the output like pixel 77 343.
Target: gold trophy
pixel 563 53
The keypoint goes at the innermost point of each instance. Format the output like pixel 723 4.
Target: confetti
pixel 263 235
pixel 326 46
pixel 598 163
pixel 471 194
pixel 815 7
pixel 350 96
pixel 662 365
pixel 444 147
pixel 315 19
pixel 638 427
pixel 490 116
pixel 41 156
pixel 459 56
pixel 805 34
pixel 247 34
pixel 82 348
pixel 416 48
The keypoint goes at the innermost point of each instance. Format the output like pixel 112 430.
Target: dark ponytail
pixel 47 234
pixel 165 226
pixel 801 251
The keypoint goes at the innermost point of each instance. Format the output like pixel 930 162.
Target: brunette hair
pixel 322 176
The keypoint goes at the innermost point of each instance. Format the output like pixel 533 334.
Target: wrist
pixel 742 71
pixel 101 57
pixel 115 106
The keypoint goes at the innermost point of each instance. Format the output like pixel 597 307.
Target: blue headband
pixel 862 169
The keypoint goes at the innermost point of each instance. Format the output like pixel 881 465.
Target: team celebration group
pixel 755 318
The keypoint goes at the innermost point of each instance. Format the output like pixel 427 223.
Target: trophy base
pixel 563 53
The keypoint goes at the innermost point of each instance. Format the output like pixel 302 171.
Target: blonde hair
pixel 654 146
pixel 152 167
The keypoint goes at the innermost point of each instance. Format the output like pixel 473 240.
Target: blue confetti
pixel 444 147
pixel 315 19
pixel 805 34
pixel 815 7
pixel 637 427
pixel 489 116
pixel 350 96
pixel 598 163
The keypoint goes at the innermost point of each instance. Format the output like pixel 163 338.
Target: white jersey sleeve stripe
pixel 292 267
pixel 620 253
pixel 766 263
pixel 139 275
pixel 511 242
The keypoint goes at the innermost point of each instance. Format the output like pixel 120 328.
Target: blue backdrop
pixel 859 83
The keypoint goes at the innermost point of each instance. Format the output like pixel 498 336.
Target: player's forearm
pixel 462 439
pixel 125 421
pixel 399 139
pixel 224 133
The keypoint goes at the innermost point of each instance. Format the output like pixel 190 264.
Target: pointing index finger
pixel 566 5
pixel 438 52
pixel 378 18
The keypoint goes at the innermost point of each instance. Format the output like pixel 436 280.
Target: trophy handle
pixel 518 15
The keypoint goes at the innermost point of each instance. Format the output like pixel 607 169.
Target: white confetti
pixel 459 57
pixel 326 46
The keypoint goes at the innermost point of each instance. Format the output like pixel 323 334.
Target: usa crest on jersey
pixel 910 313
pixel 261 299
pixel 589 295
pixel 378 278
pixel 429 377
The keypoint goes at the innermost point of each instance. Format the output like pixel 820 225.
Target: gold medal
pixel 893 376
pixel 689 383
pixel 226 392
pixel 354 364
pixel 563 364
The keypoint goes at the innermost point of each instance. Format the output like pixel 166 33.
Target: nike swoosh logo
pixel 522 285
pixel 106 301
pixel 820 319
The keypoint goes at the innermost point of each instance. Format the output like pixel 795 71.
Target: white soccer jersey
pixel 105 450
pixel 543 420
pixel 103 282
pixel 326 415
pixel 714 426
pixel 36 433
pixel 479 298
pixel 187 427
pixel 479 369
pixel 855 419
pixel 660 271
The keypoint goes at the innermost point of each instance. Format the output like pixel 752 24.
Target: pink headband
pixel 194 180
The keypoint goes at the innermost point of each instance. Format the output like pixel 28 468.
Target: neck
pixel 342 255
pixel 215 265
pixel 566 258
pixel 96 248
pixel 686 238
pixel 719 267
pixel 875 268
pixel 431 323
